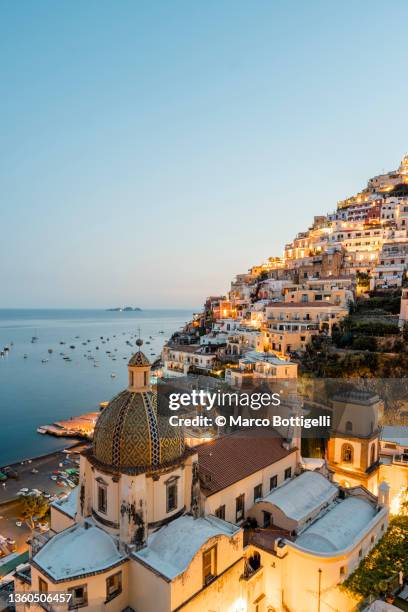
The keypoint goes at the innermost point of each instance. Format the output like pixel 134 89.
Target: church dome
pixel 130 434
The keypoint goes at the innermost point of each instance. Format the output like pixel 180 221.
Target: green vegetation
pixel 363 280
pixel 34 508
pixel 380 568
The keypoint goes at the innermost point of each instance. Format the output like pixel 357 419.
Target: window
pixel 42 586
pixel 171 495
pixel 257 492
pixel 240 508
pixel 372 454
pixel 267 519
pixel 254 561
pixel 288 473
pixel 349 426
pixel 145 379
pixel 79 597
pixel 273 483
pixel 360 553
pixel 347 453
pixel 209 565
pixel 342 570
pixel 113 586
pixel 220 512
pixel 102 498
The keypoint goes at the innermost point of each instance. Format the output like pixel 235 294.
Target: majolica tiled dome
pixel 139 359
pixel 130 434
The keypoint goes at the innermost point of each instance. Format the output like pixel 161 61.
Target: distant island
pixel 124 309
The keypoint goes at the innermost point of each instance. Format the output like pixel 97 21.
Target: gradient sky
pixel 152 150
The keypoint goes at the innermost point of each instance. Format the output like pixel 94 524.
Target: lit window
pixel 347 453
pixel 113 586
pixel 209 565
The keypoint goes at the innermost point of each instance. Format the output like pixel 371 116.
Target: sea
pixel 38 386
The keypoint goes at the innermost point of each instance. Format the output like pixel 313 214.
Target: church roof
pixel 300 497
pixel 171 549
pixel 229 459
pixel 130 434
pixel 68 505
pixel 78 551
pixel 339 527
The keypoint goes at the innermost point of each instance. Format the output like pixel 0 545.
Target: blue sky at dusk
pixel 152 150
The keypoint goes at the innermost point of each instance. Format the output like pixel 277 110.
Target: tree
pixel 405 331
pixel 404 503
pixel 34 507
pixel 383 563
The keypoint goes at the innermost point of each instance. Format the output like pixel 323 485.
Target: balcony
pixel 175 367
pixel 400 459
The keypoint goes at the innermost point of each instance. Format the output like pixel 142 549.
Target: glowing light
pixel 240 605
pixel 397 501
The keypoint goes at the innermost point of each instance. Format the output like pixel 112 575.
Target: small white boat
pixel 41 430
pixel 113 375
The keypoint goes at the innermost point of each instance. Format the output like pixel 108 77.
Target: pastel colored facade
pixel 257 366
pixel 179 359
pixel 289 326
pixel 394 463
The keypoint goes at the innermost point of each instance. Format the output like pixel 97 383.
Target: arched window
pixel 372 458
pixel 349 426
pixel 347 453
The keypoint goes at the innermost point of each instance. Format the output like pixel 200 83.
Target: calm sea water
pixel 33 393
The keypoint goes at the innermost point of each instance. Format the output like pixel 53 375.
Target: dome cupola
pixel 129 435
pixel 139 371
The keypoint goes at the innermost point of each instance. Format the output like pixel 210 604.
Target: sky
pixel 150 151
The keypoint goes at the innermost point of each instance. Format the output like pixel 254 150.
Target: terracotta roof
pixel 231 458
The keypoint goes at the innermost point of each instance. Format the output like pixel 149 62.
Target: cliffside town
pixel 340 284
pixel 256 521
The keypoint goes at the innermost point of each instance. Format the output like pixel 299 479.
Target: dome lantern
pixel 139 371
